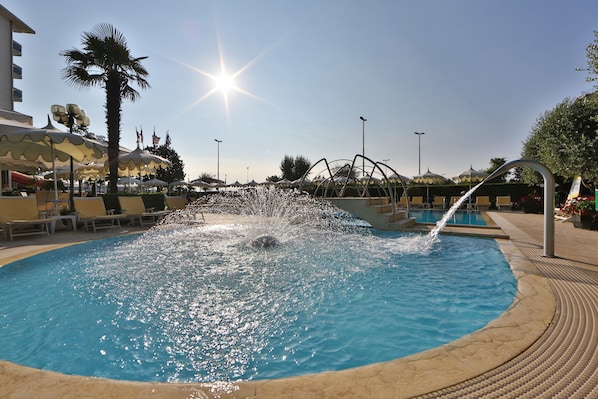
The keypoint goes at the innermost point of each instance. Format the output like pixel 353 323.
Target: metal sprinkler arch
pixel 337 181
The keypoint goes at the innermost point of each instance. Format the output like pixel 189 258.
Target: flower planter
pixel 582 221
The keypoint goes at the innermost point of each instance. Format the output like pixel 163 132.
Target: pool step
pixel 376 211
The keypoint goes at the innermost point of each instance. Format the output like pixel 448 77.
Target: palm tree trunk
pixel 113 109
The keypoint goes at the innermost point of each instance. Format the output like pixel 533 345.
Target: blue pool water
pixel 199 304
pixel 468 217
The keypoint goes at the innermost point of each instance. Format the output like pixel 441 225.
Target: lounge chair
pixel 46 202
pixel 417 202
pixel 504 201
pixel 482 202
pixel 19 217
pixel 175 203
pixel 133 207
pixel 403 202
pixel 439 202
pixel 92 210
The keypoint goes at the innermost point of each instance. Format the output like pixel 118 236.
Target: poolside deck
pixel 559 359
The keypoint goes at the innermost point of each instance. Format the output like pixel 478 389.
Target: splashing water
pixel 275 215
pixel 187 302
pixel 449 214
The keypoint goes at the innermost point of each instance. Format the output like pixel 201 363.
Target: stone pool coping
pixel 501 340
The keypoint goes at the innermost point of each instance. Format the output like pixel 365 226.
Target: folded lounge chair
pixel 439 202
pixel 92 210
pixel 19 217
pixel 133 207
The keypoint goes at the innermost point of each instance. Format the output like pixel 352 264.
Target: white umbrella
pixel 429 178
pixel 199 183
pixel 21 165
pixel 471 176
pixel 49 144
pixel 154 182
pixel 128 180
pixel 140 161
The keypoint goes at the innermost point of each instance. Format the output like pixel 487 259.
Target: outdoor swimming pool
pixel 466 217
pixel 199 304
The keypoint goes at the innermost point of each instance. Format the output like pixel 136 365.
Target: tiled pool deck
pixel 545 345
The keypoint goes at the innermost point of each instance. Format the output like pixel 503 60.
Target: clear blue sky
pixel 473 75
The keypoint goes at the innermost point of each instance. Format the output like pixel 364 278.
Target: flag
pixel 137 133
pixel 155 139
pixel 167 139
pixel 141 135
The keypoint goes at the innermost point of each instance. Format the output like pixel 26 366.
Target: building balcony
pixel 16 49
pixel 17 95
pixel 17 72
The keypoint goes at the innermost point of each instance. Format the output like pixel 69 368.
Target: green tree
pixel 565 140
pixel 294 168
pixel 592 59
pixel 496 163
pixel 176 172
pixel 106 61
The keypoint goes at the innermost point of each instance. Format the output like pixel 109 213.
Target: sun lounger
pixel 175 203
pixel 47 204
pixel 91 210
pixel 133 207
pixel 19 217
pixel 454 200
pixel 439 202
pixel 482 202
pixel 417 202
pixel 504 201
pixel 403 202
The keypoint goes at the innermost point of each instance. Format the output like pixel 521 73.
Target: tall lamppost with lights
pixel 70 116
pixel 419 151
pixel 363 121
pixel 218 159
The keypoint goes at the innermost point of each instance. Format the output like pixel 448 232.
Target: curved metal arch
pixel 548 197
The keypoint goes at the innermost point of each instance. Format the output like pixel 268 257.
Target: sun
pixel 225 83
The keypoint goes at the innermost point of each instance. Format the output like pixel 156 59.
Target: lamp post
pixel 218 159
pixel 363 120
pixel 386 166
pixel 70 116
pixel 248 174
pixel 419 165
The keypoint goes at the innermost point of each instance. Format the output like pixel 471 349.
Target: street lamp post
pixel 363 120
pixel 419 165
pixel 218 159
pixel 70 116
pixel 386 165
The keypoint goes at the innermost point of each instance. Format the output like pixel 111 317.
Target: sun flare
pixel 224 83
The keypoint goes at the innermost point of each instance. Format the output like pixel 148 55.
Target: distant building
pixel 9 71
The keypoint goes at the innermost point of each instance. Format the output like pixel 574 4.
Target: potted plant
pixel 582 210
pixel 532 203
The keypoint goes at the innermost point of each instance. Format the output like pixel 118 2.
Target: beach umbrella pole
pixel 55 181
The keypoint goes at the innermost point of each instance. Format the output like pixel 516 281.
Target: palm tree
pixel 106 61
